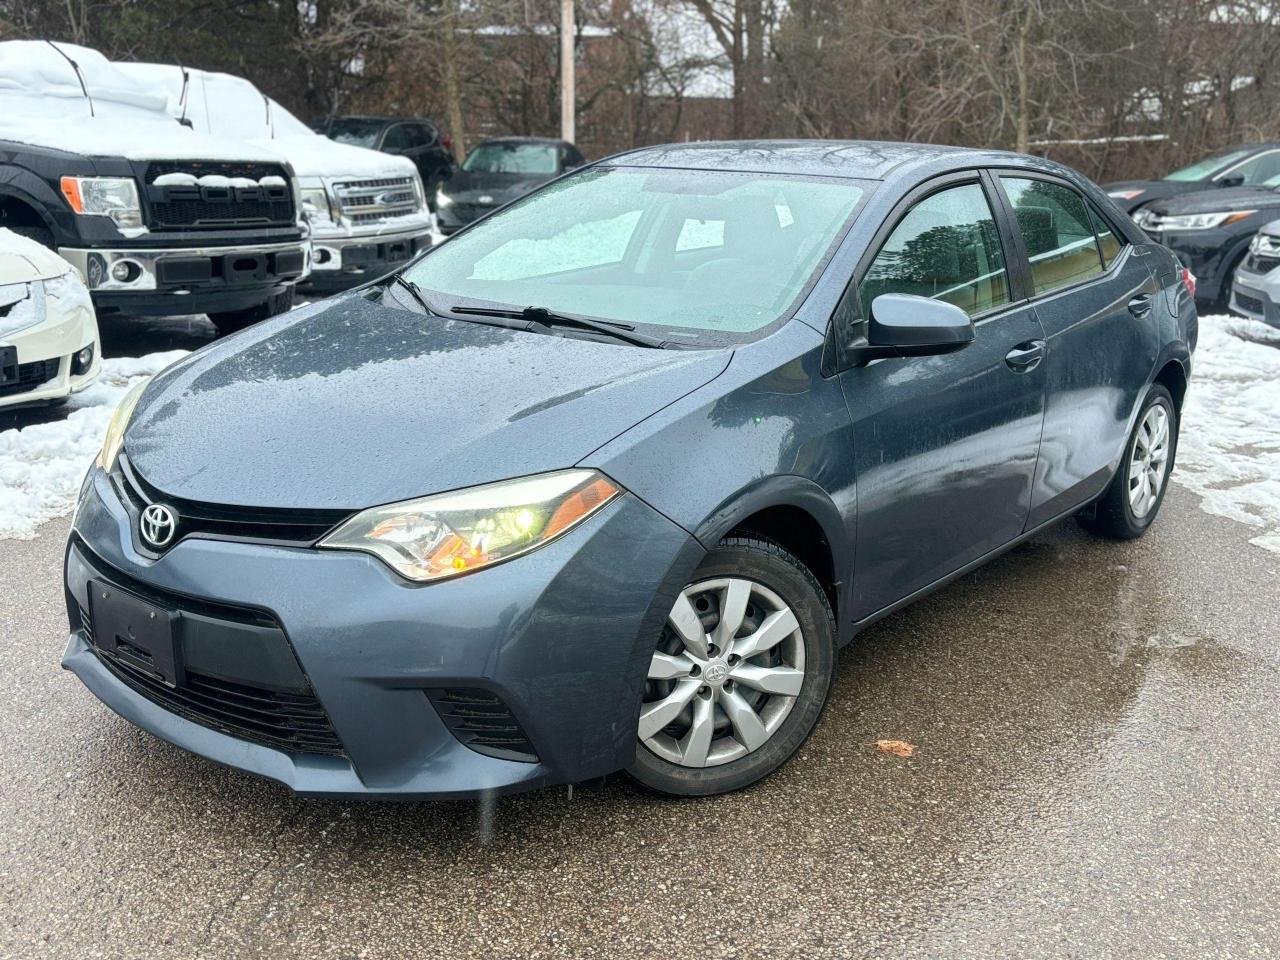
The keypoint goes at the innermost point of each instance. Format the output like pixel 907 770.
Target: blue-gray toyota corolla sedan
pixel 604 481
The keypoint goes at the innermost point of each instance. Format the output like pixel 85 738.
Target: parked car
pixel 1255 292
pixel 49 345
pixel 412 137
pixel 499 171
pixel 367 210
pixel 605 481
pixel 1210 231
pixel 1238 166
pixel 158 219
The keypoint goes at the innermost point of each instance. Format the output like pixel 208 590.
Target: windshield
pixel 511 158
pixel 1204 169
pixel 358 133
pixel 720 255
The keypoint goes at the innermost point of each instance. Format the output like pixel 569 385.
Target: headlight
pixel 419 192
pixel 114 197
pixel 114 439
pixel 442 198
pixel 1126 194
pixel 1204 221
pixel 315 204
pixel 441 536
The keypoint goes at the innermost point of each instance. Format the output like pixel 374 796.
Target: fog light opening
pixel 125 271
pixel 81 361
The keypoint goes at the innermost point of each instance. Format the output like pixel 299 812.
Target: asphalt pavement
pixel 1097 753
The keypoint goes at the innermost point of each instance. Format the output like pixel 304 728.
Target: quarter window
pixel 946 248
pixel 1108 243
pixel 1056 230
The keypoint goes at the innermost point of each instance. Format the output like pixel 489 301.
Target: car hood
pixel 348 403
pixel 1218 199
pixel 24 261
pixel 312 155
pixel 501 187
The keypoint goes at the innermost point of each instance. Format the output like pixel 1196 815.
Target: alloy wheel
pixel 1149 462
pixel 725 676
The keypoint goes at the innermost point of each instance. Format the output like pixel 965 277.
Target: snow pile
pixel 41 466
pixel 1229 448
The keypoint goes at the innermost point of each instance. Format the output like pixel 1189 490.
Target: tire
pixel 668 761
pixel 231 321
pixel 1115 515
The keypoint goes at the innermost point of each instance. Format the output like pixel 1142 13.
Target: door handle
pixel 1140 306
pixel 1026 356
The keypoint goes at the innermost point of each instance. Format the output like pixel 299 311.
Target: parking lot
pixel 1096 753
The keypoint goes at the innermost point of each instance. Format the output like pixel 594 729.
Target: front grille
pixel 294 722
pixel 219 522
pixel 373 201
pixel 481 721
pixel 30 376
pixel 1252 304
pixel 1261 264
pixel 258 194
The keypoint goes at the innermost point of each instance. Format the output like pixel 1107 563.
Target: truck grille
pixel 373 201
pixel 193 196
pixel 30 376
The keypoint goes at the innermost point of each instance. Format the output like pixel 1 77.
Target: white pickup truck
pixel 367 210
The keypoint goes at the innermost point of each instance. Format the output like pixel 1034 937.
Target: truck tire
pixel 232 320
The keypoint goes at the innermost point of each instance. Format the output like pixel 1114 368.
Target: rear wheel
pixel 232 320
pixel 1133 499
pixel 740 673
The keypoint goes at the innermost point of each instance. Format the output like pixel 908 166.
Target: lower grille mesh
pixel 481 721
pixel 296 723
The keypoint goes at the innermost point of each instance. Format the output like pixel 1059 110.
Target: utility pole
pixel 567 80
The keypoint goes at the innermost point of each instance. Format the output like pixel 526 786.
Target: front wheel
pixel 1133 499
pixel 739 675
pixel 232 320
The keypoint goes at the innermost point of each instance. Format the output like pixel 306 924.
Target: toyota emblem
pixel 157 525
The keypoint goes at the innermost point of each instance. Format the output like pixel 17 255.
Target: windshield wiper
pixel 547 318
pixel 416 292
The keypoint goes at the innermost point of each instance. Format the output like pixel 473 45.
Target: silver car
pixel 1255 292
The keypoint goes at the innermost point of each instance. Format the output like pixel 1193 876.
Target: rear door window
pixel 1056 231
pixel 946 248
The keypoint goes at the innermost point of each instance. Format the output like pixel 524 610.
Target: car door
pixel 945 446
pixel 1098 303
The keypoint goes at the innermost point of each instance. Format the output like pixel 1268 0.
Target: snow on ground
pixel 42 465
pixel 1229 449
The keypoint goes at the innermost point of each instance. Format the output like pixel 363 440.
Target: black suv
pixel 415 138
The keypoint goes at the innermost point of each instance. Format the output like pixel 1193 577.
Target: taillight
pixel 1189 281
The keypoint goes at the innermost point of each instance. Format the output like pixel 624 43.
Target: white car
pixel 368 210
pixel 49 345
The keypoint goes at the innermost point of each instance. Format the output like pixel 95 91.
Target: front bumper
pixel 1204 252
pixel 45 353
pixel 1257 295
pixel 341 261
pixel 171 281
pixel 562 636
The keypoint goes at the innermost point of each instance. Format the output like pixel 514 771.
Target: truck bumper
pixel 178 280
pixel 341 262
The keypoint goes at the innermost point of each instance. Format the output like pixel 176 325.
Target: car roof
pixel 860 159
pixel 377 119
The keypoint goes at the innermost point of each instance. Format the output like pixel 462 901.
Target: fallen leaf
pixel 899 748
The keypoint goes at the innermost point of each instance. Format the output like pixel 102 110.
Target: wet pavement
pixel 1097 758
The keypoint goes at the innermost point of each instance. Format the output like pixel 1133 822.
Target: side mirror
pixel 1234 180
pixel 906 325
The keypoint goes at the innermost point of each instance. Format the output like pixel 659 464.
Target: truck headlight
pixel 114 440
pixel 442 536
pixel 315 204
pixel 114 197
pixel 419 193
